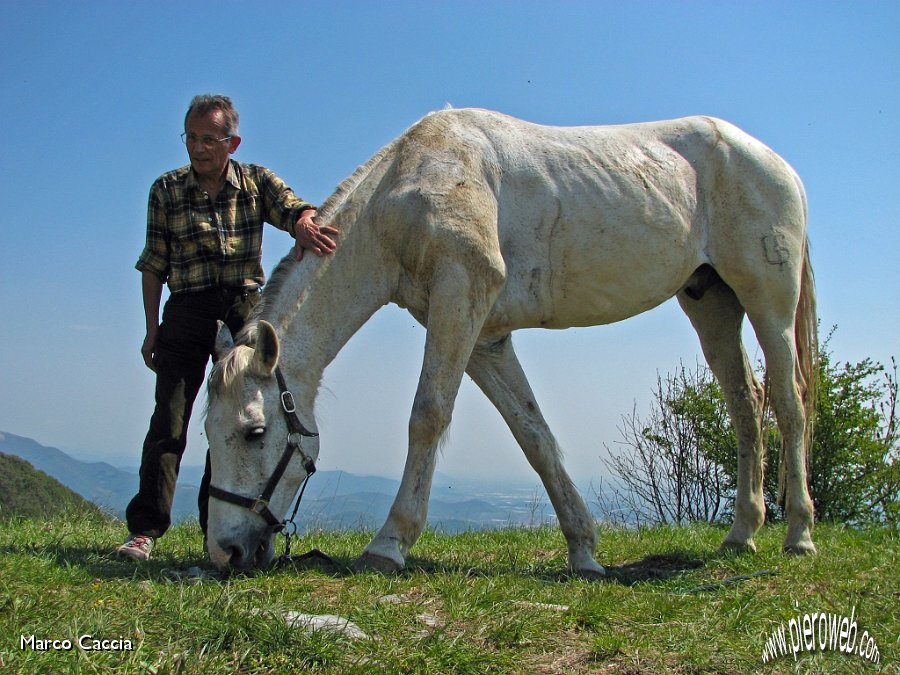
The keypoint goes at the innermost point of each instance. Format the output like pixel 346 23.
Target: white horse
pixel 480 224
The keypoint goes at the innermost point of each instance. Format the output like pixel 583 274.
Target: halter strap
pixel 290 413
pixel 296 430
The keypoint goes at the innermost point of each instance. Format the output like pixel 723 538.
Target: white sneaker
pixel 136 547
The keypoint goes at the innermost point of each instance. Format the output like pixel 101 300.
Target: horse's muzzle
pixel 234 554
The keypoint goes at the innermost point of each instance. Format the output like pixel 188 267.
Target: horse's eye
pixel 255 433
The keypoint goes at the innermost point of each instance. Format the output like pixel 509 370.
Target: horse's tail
pixel 806 344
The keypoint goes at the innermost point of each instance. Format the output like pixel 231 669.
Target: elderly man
pixel 204 238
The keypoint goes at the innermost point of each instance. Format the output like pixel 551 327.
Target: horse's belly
pixel 596 301
pixel 598 278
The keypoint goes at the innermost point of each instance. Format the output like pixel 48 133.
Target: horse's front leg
pixel 408 515
pixel 457 309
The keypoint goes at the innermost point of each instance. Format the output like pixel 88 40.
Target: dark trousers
pixel 183 349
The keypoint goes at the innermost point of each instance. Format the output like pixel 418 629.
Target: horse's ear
pixel 267 348
pixel 224 340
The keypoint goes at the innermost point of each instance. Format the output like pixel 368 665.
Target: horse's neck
pixel 323 302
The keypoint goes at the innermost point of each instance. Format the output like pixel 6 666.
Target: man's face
pixel 209 156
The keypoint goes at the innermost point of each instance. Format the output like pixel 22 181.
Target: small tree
pixel 680 463
pixel 667 474
pixel 855 458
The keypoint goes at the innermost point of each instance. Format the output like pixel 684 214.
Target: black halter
pixel 296 431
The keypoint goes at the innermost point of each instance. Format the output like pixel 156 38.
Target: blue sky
pixel 94 95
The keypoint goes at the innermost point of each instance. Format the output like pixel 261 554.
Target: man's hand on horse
pixel 313 237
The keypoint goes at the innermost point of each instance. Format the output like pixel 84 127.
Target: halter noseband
pixel 296 431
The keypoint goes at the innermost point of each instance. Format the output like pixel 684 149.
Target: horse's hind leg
pixel 717 317
pixel 775 332
pixel 497 371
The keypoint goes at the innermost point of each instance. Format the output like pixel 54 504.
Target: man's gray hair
pixel 202 104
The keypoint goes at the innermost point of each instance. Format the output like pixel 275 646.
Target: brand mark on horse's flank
pixel 777 251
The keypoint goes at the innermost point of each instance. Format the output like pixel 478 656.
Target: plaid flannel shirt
pixel 194 244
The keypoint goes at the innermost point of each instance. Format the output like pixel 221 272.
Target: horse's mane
pixel 230 368
pixel 327 210
pixel 325 214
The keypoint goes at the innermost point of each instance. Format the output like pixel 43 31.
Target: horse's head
pixel 255 450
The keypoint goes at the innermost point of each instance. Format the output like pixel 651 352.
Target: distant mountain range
pixel 103 484
pixel 334 499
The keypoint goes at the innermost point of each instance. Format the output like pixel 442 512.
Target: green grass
pixel 469 604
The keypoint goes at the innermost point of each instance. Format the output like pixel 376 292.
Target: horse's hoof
pixel 371 562
pixel 591 574
pixel 737 547
pixel 800 548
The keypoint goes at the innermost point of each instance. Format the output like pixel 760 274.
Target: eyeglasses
pixel 205 141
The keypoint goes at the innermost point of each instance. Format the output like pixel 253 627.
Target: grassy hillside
pixel 479 602
pixel 99 482
pixel 27 492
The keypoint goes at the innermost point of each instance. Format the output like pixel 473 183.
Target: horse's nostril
pixel 235 556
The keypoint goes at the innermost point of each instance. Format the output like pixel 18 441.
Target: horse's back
pixel 598 223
